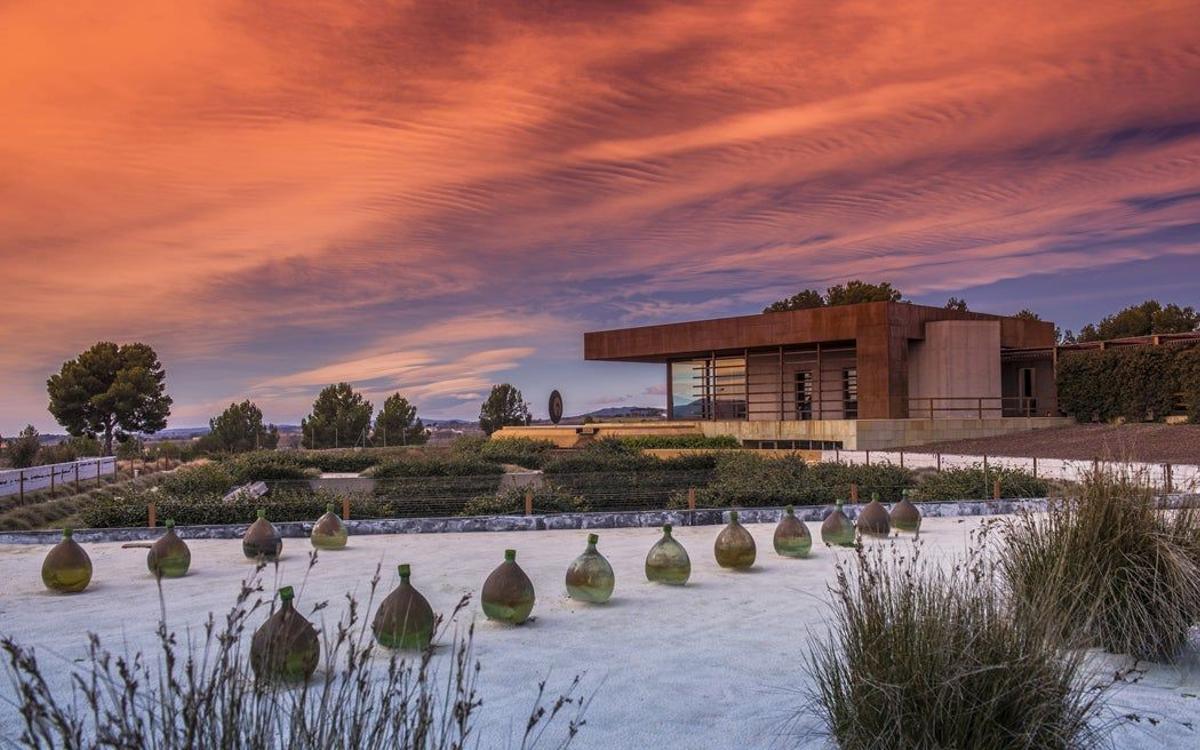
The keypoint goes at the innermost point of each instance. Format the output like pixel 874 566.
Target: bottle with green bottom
pixel 735 548
pixel 329 532
pixel 262 540
pixel 404 620
pixel 873 520
pixel 837 530
pixel 905 516
pixel 286 647
pixel 507 594
pixel 667 561
pixel 67 568
pixel 791 536
pixel 169 556
pixel 590 577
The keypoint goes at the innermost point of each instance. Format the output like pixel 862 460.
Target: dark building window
pixel 709 388
pixel 804 394
pixel 850 393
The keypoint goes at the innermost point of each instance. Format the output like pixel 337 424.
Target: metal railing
pixel 947 407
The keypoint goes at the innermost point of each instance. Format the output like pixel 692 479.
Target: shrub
pixel 198 479
pixel 974 484
pixel 419 465
pixel 643 442
pixel 749 479
pixel 290 504
pixel 524 452
pixel 1137 383
pixel 268 466
pixel 1110 566
pixel 547 498
pixel 927 656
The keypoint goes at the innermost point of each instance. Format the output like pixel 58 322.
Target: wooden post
pixel 52 480
pixel 868 458
pixel 1167 478
pixel 98 472
pixel 1035 467
pixel 345 507
pixel 77 477
pixel 691 498
pixel 939 462
pixel 529 502
pixel 996 489
pixel 853 493
pixel 151 514
pixel 901 459
pixel 21 485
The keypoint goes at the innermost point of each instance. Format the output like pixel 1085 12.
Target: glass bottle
pixel 507 594
pixel 329 532
pixel 590 577
pixel 905 516
pixel 837 530
pixel 169 556
pixel 286 647
pixel 262 540
pixel 791 535
pixel 67 567
pixel 873 520
pixel 735 547
pixel 667 561
pixel 404 620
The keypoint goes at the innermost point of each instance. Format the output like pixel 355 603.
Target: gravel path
pixel 1156 443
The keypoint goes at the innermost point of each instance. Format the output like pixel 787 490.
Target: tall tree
pixel 110 391
pixel 398 424
pixel 1145 319
pixel 23 449
pixel 957 304
pixel 340 417
pixel 851 293
pixel 240 428
pixel 504 406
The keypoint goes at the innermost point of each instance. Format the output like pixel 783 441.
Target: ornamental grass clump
pixel 1111 565
pixel 928 655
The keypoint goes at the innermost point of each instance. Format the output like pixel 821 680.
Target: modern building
pixel 873 375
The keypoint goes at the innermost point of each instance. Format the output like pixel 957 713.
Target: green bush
pixel 548 498
pixel 750 479
pixel 290 504
pixel 268 466
pixel 643 442
pixel 525 452
pixel 420 465
pixel 1137 383
pixel 974 484
pixel 211 478
pixel 1187 363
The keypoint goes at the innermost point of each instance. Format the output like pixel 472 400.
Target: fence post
pixel 77 477
pixel 21 485
pixel 868 458
pixel 1035 467
pixel 901 459
pixel 529 502
pixel 98 471
pixel 151 514
pixel 996 489
pixel 1168 479
pixel 51 480
pixel 853 492
pixel 691 498
pixel 939 462
pixel 345 507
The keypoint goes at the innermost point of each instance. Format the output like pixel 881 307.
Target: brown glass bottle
pixel 262 540
pixel 507 594
pixel 837 530
pixel 329 532
pixel 67 567
pixel 873 519
pixel 590 577
pixel 404 620
pixel 905 516
pixel 667 561
pixel 735 547
pixel 169 556
pixel 791 535
pixel 286 647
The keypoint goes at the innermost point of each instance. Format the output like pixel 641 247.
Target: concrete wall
pixel 574 436
pixel 13 481
pixel 957 363
pixel 876 434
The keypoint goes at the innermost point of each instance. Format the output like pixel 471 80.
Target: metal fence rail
pixel 50 476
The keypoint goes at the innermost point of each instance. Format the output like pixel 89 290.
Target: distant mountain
pixel 648 413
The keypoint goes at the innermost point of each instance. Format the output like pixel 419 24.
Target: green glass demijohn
pixel 507 594
pixel 791 535
pixel 262 540
pixel 590 577
pixel 286 647
pixel 329 532
pixel 735 547
pixel 905 516
pixel 667 561
pixel 169 556
pixel 873 519
pixel 837 530
pixel 404 620
pixel 67 567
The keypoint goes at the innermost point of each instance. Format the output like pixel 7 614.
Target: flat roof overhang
pixel 660 343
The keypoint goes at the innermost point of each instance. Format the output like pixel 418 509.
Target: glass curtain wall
pixel 708 388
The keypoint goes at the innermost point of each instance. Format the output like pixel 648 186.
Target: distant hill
pixel 648 413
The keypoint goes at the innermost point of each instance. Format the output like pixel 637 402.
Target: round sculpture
pixel 329 532
pixel 507 594
pixel 735 547
pixel 837 530
pixel 905 516
pixel 556 407
pixel 67 567
pixel 262 540
pixel 791 535
pixel 286 647
pixel 404 620
pixel 873 520
pixel 590 577
pixel 169 556
pixel 667 561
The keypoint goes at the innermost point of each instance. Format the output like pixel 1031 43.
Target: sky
pixel 434 197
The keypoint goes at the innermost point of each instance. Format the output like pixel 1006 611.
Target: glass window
pixel 850 393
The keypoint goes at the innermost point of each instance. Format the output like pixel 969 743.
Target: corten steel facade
pixel 878 360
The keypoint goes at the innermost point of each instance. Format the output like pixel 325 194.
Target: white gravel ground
pixel 717 664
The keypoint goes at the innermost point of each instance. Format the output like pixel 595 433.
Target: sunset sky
pixel 432 197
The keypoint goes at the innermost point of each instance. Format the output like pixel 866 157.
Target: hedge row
pixel 1137 383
